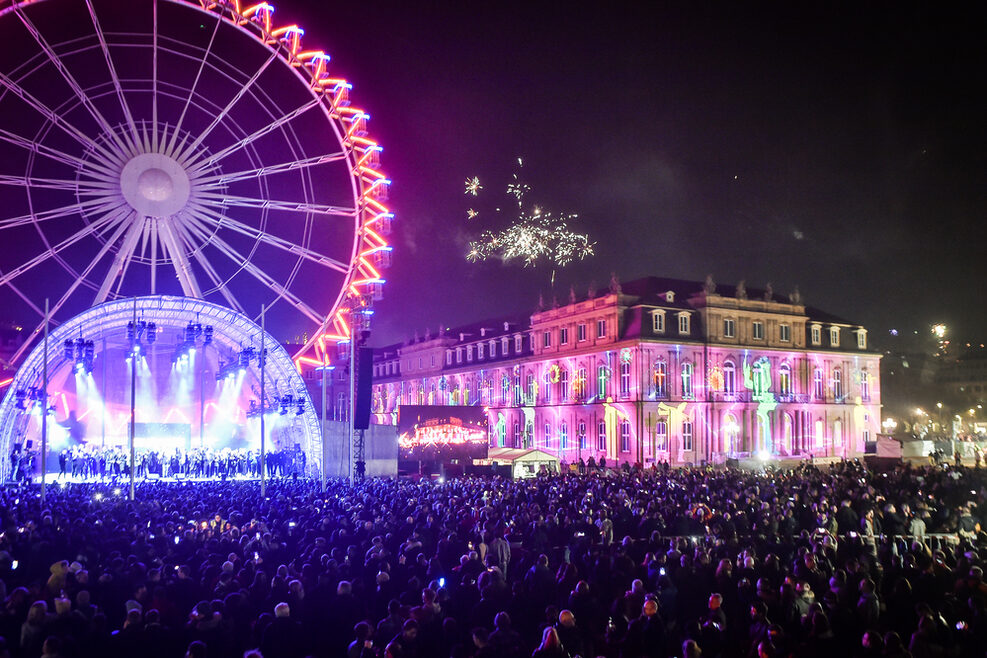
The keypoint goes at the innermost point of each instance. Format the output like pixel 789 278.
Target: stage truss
pixel 231 333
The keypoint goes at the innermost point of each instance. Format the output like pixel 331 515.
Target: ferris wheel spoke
pixel 210 271
pixel 219 200
pixel 119 215
pixel 122 258
pixel 195 168
pixel 244 263
pixel 222 114
pixel 154 259
pixel 53 213
pixel 90 168
pixel 55 118
pixel 154 74
pixel 113 71
pixel 52 251
pixel 70 79
pixel 172 243
pixel 52 184
pixel 217 180
pixel 27 300
pixel 249 231
pixel 169 151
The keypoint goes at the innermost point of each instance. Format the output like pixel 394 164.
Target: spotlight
pixel 152 332
pixel 207 334
pixel 70 349
pixel 301 407
pixel 131 331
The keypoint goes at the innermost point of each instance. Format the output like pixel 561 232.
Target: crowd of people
pixel 816 561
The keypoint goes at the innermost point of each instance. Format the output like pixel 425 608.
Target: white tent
pixel 523 463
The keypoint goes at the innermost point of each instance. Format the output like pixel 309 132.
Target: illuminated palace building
pixel 652 370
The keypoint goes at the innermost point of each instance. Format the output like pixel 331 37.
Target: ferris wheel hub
pixel 155 185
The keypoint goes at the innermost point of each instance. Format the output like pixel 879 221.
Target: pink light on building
pixel 653 370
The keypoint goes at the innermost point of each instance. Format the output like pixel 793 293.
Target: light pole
pixel 325 446
pixel 942 428
pixel 44 410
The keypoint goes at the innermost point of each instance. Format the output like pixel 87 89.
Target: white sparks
pixel 473 186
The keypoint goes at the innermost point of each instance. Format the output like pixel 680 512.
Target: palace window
pixel 564 336
pixel 581 428
pixel 563 385
pixel 687 380
pixel 861 339
pixel 661 436
pixel 601 436
pixel 625 379
pixel 864 385
pixel 601 328
pixel 758 330
pixel 729 377
pixel 838 384
pixel 517 344
pixel 818 391
pixel 493 349
pixel 548 435
pixel 581 332
pixel 816 334
pixel 625 435
pixel 563 436
pixel 660 379
pixel 518 393
pixel 684 324
pixel 479 351
pixel 459 355
pixel 785 333
pixel 469 353
pixel 546 339
pixel 658 322
pixel 785 379
pixel 687 435
pixel 729 328
pixel 601 379
pixel 834 336
pixel 504 345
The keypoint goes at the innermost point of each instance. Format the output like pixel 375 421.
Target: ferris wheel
pixel 182 147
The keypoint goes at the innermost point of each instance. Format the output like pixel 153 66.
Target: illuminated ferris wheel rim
pixel 161 179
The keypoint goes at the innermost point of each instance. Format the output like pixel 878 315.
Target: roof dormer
pixel 670 296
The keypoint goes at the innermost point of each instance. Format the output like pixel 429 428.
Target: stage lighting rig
pixel 291 402
pixel 194 331
pixel 26 399
pixel 83 352
pixel 136 330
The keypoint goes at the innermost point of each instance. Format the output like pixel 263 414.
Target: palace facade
pixel 652 370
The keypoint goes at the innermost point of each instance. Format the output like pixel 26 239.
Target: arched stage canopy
pixel 198 383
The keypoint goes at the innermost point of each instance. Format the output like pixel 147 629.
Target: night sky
pixel 835 147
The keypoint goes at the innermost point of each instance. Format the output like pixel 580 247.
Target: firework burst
pixel 533 237
pixel 473 186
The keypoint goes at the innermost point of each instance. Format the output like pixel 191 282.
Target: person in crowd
pixel 621 562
